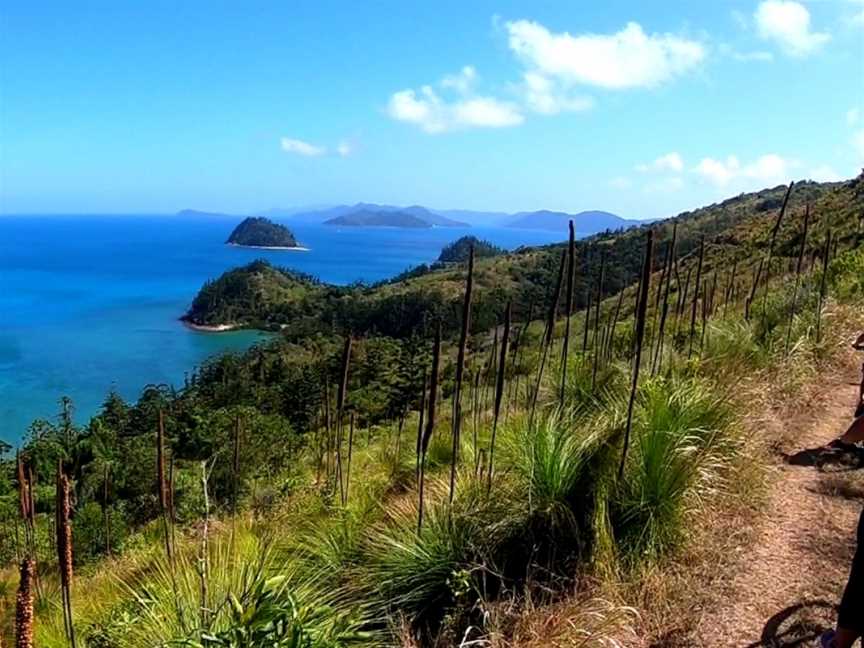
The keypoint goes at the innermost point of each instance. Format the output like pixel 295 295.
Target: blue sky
pixel 641 108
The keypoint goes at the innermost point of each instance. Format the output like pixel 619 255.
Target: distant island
pixel 458 250
pixel 585 222
pixel 360 215
pixel 380 219
pixel 365 211
pixel 260 232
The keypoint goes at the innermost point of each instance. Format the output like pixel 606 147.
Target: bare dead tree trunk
pixel 430 422
pixel 823 286
pixel 670 262
pixel 499 391
pixel 350 453
pixel 798 269
pixel 550 333
pixel 697 285
pixel 571 272
pixel 774 232
pixel 748 304
pixel 595 338
pixel 460 368
pixel 613 325
pixel 640 335
pixel 63 529
pixel 340 406
pixel 421 414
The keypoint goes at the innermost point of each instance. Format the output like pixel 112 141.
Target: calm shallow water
pixel 88 303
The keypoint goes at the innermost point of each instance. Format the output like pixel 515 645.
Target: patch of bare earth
pixel 784 568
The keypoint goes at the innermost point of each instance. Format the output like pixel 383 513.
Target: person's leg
pixel 850 621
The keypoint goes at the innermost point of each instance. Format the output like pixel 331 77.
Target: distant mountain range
pixel 586 222
pixel 416 216
pixel 364 211
pixel 379 219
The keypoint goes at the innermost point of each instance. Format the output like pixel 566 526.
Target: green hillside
pixel 327 490
pixel 737 229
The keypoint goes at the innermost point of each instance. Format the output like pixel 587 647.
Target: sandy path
pixel 784 592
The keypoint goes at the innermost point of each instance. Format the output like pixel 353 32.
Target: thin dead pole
pixel 595 343
pixel 640 335
pixel 430 422
pixel 63 529
pixel 350 453
pixel 513 390
pixel 697 285
pixel 748 303
pixel 730 288
pixel 774 232
pixel 571 272
pixel 475 416
pixel 798 268
pixel 328 423
pixel 340 406
pixel 499 390
pixel 682 301
pixel 422 413
pixel 588 305
pixel 460 368
pixel 163 485
pixel 235 467
pixel 613 324
pixel 670 261
pixel 550 333
pixel 823 286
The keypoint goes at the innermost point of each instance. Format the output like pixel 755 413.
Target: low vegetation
pixel 284 507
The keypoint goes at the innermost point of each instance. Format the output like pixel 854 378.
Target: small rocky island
pixel 261 232
pixel 458 250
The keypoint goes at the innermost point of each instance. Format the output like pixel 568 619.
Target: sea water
pixel 91 303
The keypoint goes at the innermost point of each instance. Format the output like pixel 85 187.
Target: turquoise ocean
pixel 91 303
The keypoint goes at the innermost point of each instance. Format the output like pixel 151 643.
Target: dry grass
pixel 683 599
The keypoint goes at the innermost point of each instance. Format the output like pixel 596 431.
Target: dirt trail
pixel 785 590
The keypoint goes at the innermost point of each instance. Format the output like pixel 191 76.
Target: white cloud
pixel 344 148
pixel 546 96
pixel 787 23
pixel 462 82
pixel 669 162
pixel 852 116
pixel 302 148
pixel 858 142
pixel 627 59
pixel 824 173
pixel 433 114
pixel 766 169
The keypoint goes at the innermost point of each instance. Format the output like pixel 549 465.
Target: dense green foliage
pixel 255 432
pixel 458 250
pixel 262 232
pixel 736 231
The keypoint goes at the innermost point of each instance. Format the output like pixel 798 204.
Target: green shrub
pixel 677 450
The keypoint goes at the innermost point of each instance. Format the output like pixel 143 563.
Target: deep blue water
pixel 88 303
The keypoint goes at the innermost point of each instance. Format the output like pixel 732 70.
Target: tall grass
pixel 679 448
pixel 423 575
pixel 242 588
